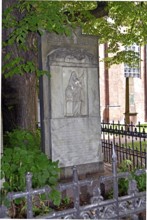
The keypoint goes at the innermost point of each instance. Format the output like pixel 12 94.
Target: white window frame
pixel 132 71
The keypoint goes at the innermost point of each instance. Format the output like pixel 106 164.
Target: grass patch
pixel 143 128
pixel 136 145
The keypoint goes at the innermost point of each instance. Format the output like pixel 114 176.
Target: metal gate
pixel 98 208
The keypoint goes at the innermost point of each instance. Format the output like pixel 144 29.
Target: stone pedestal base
pixel 84 171
pixel 91 171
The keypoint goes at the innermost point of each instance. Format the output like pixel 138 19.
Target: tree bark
pixel 19 102
pixel 19 96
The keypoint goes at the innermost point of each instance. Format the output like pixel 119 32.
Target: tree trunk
pixel 19 93
pixel 19 102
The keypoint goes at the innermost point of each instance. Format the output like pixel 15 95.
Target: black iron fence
pixel 133 203
pixel 130 142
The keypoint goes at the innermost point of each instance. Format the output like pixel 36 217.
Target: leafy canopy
pixel 122 23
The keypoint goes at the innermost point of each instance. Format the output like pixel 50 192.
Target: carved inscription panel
pixel 75 92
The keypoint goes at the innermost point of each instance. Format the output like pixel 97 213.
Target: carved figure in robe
pixel 74 95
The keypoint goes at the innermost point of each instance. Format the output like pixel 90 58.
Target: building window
pixel 130 71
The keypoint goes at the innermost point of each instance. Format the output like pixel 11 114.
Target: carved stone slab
pixel 70 118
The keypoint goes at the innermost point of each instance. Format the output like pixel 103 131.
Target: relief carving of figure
pixel 74 95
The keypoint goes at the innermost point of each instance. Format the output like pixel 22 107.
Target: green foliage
pixel 123 183
pixel 31 17
pixel 125 25
pixel 56 197
pixel 24 160
pixel 22 139
pixel 40 205
pixel 124 166
pixel 22 155
pixel 59 17
pixel 66 200
pixel 141 181
pixel 18 66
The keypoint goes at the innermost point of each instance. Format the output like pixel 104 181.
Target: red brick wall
pixel 117 91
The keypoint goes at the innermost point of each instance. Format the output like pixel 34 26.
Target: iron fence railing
pixel 116 208
pixel 130 142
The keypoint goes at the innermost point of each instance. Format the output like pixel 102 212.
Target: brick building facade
pixel 113 90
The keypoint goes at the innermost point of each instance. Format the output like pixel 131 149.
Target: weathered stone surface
pixel 76 141
pixel 71 112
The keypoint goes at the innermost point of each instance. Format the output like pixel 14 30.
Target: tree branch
pixel 100 10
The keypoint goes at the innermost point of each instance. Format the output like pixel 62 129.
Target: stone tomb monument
pixel 70 105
